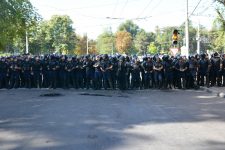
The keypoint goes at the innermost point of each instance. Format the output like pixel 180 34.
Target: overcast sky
pixel 90 16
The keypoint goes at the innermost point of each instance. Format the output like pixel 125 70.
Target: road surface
pixel 111 120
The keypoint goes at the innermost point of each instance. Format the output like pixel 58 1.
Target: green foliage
pixel 53 36
pixel 152 49
pixel 62 34
pixel 141 42
pixel 105 42
pixel 16 17
pixel 218 31
pixel 130 27
pixel 81 45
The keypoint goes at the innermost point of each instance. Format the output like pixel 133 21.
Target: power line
pixel 157 5
pixel 207 8
pixel 195 8
pixel 145 8
pixel 114 9
pixel 85 7
pixel 125 4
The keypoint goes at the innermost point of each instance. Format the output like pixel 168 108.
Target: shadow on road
pixel 74 121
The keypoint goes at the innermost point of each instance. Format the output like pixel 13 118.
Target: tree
pixel 105 42
pixel 81 46
pixel 62 34
pixel 16 17
pixel 164 38
pixel 130 27
pixel 220 9
pixel 93 47
pixel 142 41
pixel 123 41
pixel 218 31
pixel 217 36
pixel 152 49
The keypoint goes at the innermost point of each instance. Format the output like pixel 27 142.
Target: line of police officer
pixel 112 72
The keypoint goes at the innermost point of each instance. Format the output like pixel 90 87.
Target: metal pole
pixel 198 38
pixel 112 40
pixel 87 44
pixel 187 31
pixel 27 44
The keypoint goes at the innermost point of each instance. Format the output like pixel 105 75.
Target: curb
pixel 217 93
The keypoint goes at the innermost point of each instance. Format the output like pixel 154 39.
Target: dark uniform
pixel 62 73
pixel 98 74
pixel 70 79
pixel 168 72
pixel 4 70
pixel 121 73
pixel 14 74
pixel 114 69
pixel 223 69
pixel 182 68
pixel 215 75
pixel 148 76
pixel 88 66
pixel 26 71
pixel 106 67
pixel 52 71
pixel 37 73
pixel 135 75
pixel 79 74
pixel 192 72
pixel 204 69
pixel 158 70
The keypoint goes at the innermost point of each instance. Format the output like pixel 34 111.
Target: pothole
pixel 51 95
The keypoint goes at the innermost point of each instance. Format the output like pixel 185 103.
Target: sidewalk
pixel 219 91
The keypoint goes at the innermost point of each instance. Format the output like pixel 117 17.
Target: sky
pixel 92 17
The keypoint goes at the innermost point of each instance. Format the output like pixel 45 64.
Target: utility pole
pixel 27 44
pixel 87 44
pixel 198 38
pixel 187 31
pixel 112 40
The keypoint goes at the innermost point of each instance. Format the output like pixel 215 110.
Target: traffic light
pixel 175 37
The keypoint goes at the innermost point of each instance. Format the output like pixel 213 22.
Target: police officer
pixel 3 73
pixel 37 73
pixel 204 69
pixel 114 69
pixel 70 79
pixel 26 71
pixel 79 73
pixel 62 72
pixel 158 69
pixel 15 69
pixel 98 73
pixel 135 74
pixel 88 66
pixel 52 71
pixel 182 67
pixel 148 76
pixel 192 72
pixel 216 64
pixel 168 71
pixel 223 69
pixel 106 67
pixel 122 73
pixel 128 71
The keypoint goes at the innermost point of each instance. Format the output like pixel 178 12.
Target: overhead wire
pixel 115 7
pixel 195 8
pixel 123 8
pixel 144 8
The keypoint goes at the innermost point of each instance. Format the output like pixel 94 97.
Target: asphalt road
pixel 111 120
